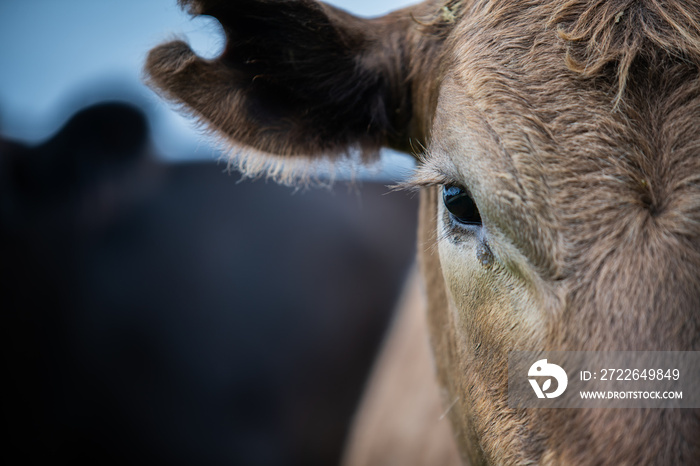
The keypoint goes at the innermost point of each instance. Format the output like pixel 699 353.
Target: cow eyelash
pixel 427 175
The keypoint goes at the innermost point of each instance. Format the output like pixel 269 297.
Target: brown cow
pixel 560 192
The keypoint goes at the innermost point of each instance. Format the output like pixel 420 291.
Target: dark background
pixel 164 312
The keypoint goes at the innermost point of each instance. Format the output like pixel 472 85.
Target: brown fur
pixel 574 124
pixel 306 80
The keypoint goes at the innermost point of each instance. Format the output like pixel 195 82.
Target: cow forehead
pixel 552 155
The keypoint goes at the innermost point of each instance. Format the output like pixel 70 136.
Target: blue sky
pixel 59 55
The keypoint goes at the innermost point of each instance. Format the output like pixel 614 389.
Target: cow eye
pixel 460 205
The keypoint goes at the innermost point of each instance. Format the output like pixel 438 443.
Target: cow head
pixel 560 174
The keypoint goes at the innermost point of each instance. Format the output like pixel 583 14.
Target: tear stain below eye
pixel 484 254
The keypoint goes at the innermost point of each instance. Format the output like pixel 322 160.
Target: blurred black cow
pixel 163 313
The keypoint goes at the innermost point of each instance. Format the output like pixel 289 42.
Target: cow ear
pixel 299 80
